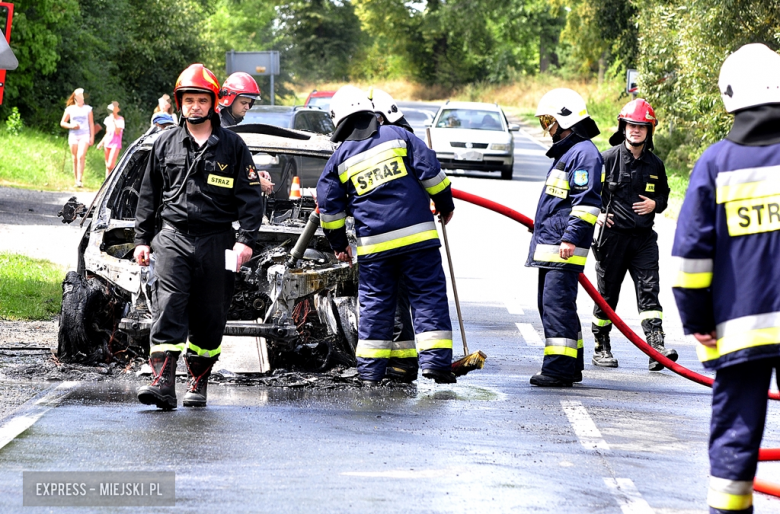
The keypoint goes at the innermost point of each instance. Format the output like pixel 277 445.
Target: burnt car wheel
pixel 289 171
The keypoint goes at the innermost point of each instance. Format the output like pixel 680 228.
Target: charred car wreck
pixel 293 294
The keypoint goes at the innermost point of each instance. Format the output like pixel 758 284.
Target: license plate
pixel 468 155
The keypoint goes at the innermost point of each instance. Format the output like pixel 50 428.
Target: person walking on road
pixel 636 189
pixel 198 180
pixel 563 231
pixel 385 178
pixel 112 140
pixel 239 93
pixel 79 122
pixel 728 280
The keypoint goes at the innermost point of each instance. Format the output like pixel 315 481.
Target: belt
pixel 205 231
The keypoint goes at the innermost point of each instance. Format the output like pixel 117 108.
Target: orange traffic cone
pixel 295 189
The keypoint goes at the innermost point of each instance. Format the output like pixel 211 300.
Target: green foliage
pixel 14 124
pixel 30 289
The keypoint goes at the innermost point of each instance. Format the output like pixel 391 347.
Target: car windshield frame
pixel 269 118
pixel 470 119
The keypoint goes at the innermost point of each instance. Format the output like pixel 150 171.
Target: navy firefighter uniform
pixel 567 212
pixel 385 178
pixel 727 285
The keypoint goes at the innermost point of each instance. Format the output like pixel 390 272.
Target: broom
pixel 470 361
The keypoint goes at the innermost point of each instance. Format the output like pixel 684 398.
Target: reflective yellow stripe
pixel 549 253
pixel 559 179
pixel 404 354
pixel 560 350
pixel 435 343
pixel 367 164
pixel 159 348
pixel 693 273
pixel 588 214
pixel 373 349
pixel 437 184
pixel 601 322
pixel 747 183
pixel 742 333
pixel 204 353
pixel 333 221
pixel 651 315
pixel 727 494
pixel 434 339
pixel 397 238
pixel 580 342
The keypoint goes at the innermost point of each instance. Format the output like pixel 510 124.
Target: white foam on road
pixel 32 410
pixel 529 334
pixel 627 496
pixel 583 426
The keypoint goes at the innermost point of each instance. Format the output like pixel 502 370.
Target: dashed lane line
pixel 529 334
pixel 583 425
pixel 32 410
pixel 627 496
pixel 514 307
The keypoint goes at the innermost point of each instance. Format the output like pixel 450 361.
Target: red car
pixel 319 99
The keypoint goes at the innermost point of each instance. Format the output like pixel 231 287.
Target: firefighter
pixel 385 178
pixel 198 180
pixel 727 285
pixel 399 369
pixel 239 93
pixel 563 231
pixel 636 190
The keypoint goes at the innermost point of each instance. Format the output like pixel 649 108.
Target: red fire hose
pixel 766 454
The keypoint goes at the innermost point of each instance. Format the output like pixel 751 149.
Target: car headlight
pixel 501 147
pixel 264 159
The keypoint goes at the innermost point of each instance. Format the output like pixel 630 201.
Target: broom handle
pixel 449 261
pixel 454 289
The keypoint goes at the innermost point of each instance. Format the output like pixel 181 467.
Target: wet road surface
pixel 625 440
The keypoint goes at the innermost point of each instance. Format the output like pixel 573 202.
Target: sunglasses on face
pixel 546 121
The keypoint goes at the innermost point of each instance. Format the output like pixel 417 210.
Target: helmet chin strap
pixel 636 145
pixel 200 119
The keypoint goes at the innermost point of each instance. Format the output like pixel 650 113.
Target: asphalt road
pixel 624 440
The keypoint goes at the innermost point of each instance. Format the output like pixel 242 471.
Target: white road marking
pixel 32 410
pixel 513 306
pixel 535 153
pixel 529 334
pixel 627 496
pixel 403 473
pixel 583 425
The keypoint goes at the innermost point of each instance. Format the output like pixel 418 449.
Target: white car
pixel 474 136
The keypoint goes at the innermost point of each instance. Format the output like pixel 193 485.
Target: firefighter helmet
pixel 348 100
pixel 385 105
pixel 635 112
pixel 750 77
pixel 197 79
pixel 565 105
pixel 239 84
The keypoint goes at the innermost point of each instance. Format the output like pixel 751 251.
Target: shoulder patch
pixel 581 177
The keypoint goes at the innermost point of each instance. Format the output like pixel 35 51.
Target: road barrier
pixel 765 454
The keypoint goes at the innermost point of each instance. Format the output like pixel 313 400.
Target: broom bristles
pixel 468 363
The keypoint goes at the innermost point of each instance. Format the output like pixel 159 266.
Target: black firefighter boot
pixel 199 369
pixel 602 353
pixel 162 390
pixel 656 340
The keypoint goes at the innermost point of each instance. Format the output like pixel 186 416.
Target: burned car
pixel 293 294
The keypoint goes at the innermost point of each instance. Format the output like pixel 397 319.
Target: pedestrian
pixel 399 369
pixel 79 122
pixel 162 120
pixel 563 231
pixel 112 140
pixel 164 106
pixel 198 180
pixel 637 189
pixel 386 178
pixel 239 94
pixel 728 280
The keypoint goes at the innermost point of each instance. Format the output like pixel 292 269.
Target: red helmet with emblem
pixel 239 84
pixel 635 112
pixel 197 79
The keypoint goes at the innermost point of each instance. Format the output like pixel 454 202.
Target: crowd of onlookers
pixel 79 121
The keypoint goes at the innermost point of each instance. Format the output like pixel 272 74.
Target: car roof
pixel 472 105
pixel 319 94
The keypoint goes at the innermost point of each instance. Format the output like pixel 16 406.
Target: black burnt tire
pixel 289 171
pixel 506 172
pixel 85 320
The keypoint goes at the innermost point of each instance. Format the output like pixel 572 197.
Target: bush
pixel 14 124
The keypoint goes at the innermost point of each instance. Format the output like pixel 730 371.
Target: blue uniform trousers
pixel 422 274
pixel 557 303
pixel 739 407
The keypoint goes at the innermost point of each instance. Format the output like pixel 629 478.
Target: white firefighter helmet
pixel 384 105
pixel 348 100
pixel 565 105
pixel 749 77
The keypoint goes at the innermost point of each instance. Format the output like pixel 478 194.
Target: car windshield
pixel 421 116
pixel 277 119
pixel 470 119
pixel 320 101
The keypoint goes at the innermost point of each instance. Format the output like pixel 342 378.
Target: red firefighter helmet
pixel 197 78
pixel 239 84
pixel 636 112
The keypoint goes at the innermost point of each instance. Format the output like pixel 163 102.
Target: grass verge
pixel 30 289
pixel 36 160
